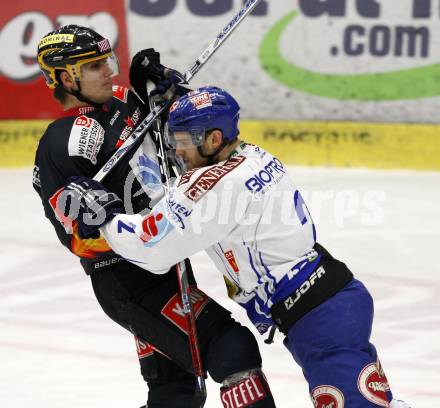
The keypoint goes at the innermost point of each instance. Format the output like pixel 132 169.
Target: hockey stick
pixel 185 293
pixel 182 276
pixel 146 124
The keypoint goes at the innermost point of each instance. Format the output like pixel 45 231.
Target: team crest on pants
pixel 143 348
pixel 175 312
pixel 326 396
pixel 373 384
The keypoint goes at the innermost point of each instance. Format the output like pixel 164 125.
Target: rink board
pixel 349 144
pixel 18 141
pixel 338 144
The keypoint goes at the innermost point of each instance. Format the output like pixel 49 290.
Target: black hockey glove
pixel 96 205
pixel 145 66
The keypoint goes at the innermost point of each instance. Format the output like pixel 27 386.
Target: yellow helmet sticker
pixel 56 38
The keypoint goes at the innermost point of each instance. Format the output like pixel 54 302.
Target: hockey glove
pixel 145 66
pixel 96 205
pixel 167 88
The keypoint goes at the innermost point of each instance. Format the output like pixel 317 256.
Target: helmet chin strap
pixel 78 95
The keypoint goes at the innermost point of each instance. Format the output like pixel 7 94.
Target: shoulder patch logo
pixel 155 227
pixel 120 92
pixel 209 178
pixel 86 138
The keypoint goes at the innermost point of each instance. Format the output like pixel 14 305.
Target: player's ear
pixel 67 80
pixel 217 137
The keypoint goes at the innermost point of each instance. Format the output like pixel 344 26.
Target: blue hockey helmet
pixel 202 110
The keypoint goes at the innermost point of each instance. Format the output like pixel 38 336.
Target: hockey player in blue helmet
pixel 207 119
pixel 262 238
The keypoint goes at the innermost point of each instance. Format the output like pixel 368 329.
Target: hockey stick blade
pixel 147 122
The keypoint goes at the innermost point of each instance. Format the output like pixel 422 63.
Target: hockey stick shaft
pixel 182 276
pixel 138 133
pixel 146 123
pixel 220 39
pixel 185 293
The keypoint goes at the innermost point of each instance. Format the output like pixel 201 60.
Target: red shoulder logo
pixel 120 92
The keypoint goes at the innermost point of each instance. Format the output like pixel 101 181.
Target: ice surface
pixel 59 350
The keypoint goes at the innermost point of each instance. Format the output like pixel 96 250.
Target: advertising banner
pixel 22 24
pixel 360 60
pixel 295 61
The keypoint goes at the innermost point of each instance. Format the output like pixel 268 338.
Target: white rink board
pixel 180 34
pixel 59 350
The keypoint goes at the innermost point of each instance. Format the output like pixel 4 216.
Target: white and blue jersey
pixel 249 216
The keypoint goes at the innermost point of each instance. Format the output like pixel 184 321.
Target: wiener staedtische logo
pixel 365 50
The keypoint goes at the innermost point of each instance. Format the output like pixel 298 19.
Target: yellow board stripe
pixel 18 141
pixel 342 144
pixel 348 144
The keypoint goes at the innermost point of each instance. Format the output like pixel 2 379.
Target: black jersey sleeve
pixel 60 156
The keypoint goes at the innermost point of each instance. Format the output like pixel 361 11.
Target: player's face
pixel 96 81
pixel 188 152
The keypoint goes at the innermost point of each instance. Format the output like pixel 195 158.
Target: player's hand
pixel 96 205
pixel 145 66
pixel 168 87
